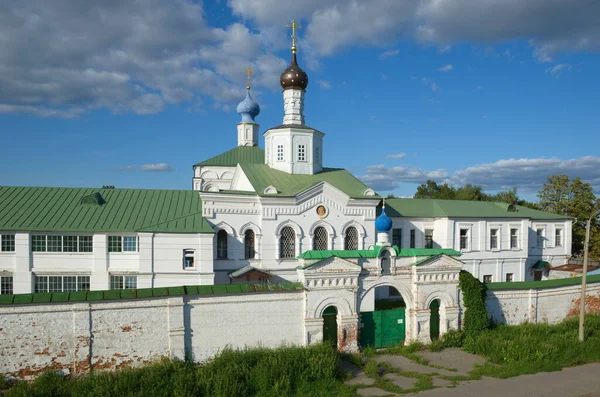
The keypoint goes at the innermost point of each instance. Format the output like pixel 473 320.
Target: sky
pixel 132 93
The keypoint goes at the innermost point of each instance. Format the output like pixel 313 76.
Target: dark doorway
pixel 434 319
pixel 330 328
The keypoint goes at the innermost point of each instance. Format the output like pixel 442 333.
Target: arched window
pixel 222 244
pixel 351 239
pixel 320 239
pixel 386 263
pixel 249 251
pixel 287 243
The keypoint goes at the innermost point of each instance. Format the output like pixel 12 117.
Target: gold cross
pixel 249 72
pixel 293 26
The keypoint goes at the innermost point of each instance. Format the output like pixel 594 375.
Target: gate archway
pixel 330 326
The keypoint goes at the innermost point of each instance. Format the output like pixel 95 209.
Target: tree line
pixel 559 195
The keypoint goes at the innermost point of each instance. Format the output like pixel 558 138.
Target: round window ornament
pixel 322 211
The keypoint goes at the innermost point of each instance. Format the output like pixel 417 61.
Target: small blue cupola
pixel 248 108
pixel 383 225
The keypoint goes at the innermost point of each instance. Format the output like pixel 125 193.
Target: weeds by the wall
pixel 474 295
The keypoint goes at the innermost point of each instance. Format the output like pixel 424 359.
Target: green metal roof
pixel 374 252
pixel 121 210
pixel 433 208
pixel 80 296
pixel 540 265
pixel 561 282
pixel 262 176
pixel 235 156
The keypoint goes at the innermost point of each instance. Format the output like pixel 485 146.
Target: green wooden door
pixel 330 325
pixel 434 319
pixel 382 328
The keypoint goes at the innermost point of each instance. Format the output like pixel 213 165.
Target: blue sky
pixel 133 93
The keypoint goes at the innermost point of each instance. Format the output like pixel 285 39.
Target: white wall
pixel 74 337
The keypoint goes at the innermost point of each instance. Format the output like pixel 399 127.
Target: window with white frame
pixel 6 285
pixel 279 152
pixel 222 244
pixel 558 238
pixel 397 237
pixel 188 259
pixel 53 243
pixel 509 277
pixel 287 243
pixel 122 243
pixel 514 238
pixel 351 239
pixel 487 278
pixel 301 152
pixel 123 282
pixel 428 238
pixel 493 239
pixel 413 234
pixel 7 243
pixel 64 283
pixel 249 244
pixel 464 239
pixel 320 239
pixel 540 237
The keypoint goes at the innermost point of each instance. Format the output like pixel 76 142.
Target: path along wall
pixel 549 301
pixel 101 330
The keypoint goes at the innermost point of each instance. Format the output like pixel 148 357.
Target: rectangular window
pixel 130 244
pixel 464 239
pixel 85 244
pixel 62 283
pixel 514 238
pixel 115 244
pixel 69 243
pixel 412 238
pixel 279 152
pixel 38 243
pixel 493 239
pixel 558 238
pixel 188 259
pixel 301 153
pixel 8 243
pixel 123 282
pixel 487 278
pixel 54 243
pixel 397 237
pixel 428 238
pixel 540 237
pixel 6 285
pixel 509 277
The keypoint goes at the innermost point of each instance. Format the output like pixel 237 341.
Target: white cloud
pixel 396 156
pixel 324 84
pixel 446 68
pixel 389 53
pixel 158 167
pixel 430 83
pixel 527 174
pixel 557 70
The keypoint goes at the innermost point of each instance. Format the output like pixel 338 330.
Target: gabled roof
pixel 235 156
pixel 248 269
pixel 433 208
pixel 113 210
pixel 288 185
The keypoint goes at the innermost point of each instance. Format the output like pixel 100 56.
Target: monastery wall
pixel 77 337
pixel 550 302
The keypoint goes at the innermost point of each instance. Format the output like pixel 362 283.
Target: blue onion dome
pixel 248 109
pixel 383 223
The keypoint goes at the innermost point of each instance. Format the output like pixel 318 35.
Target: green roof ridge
pixel 373 252
pixel 216 289
pixel 235 156
pixel 559 282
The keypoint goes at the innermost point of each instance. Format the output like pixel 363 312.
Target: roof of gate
pixel 374 253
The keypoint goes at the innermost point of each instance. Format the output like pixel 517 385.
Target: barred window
pixel 123 282
pixel 287 243
pixel 115 244
pixel 69 243
pixel 249 250
pixel 320 239
pixel 428 238
pixel 62 283
pixel 351 239
pixel 301 153
pixel 6 285
pixel 397 237
pixel 222 244
pixel 279 152
pixel 8 243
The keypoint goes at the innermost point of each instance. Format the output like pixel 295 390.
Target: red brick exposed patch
pixel 592 305
pixel 45 352
pixel 126 328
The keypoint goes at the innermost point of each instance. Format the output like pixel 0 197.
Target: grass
pixel 287 371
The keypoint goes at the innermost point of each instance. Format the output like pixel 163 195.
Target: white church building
pixel 263 215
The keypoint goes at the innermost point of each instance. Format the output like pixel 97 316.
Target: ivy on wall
pixel 474 294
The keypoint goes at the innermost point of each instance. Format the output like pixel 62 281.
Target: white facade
pixel 294 150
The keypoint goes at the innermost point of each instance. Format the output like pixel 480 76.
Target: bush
pixel 474 296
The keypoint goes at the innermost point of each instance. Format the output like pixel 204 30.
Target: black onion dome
pixel 293 76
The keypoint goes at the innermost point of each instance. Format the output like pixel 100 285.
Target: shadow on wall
pixel 494 309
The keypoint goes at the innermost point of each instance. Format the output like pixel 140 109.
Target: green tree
pixel 576 199
pixel 431 190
